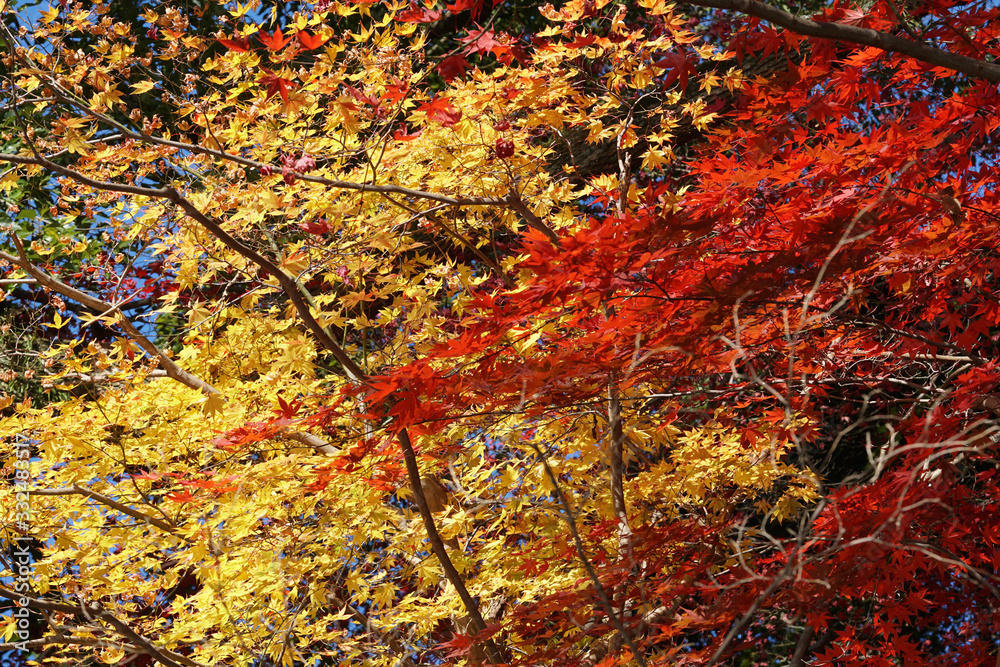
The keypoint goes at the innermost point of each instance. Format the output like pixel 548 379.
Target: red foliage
pixel 834 257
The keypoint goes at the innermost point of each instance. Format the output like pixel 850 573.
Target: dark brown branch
pixel 802 647
pixel 979 69
pixel 437 545
pixel 39 603
pixel 602 594
pixel 110 502
pixel 287 282
pixel 94 612
pixel 43 278
pixel 96 378
pixel 255 164
pixel 617 470
pixel 515 202
pixel 744 620
pixel 161 655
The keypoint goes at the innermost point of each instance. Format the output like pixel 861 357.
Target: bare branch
pixel 745 619
pixel 515 202
pixel 311 440
pixel 616 468
pixel 38 603
pixel 365 621
pixel 126 133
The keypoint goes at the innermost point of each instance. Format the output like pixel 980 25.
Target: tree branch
pixel 437 545
pixel 161 655
pixel 365 621
pixel 744 620
pixel 105 308
pixel 287 282
pixel 602 594
pixel 125 133
pixel 979 69
pixel 76 489
pixel 802 647
pixel 617 471
pixel 515 202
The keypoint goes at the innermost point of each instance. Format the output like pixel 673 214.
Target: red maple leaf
pixel 483 41
pixel 395 92
pixel 460 645
pixel 679 67
pixel 361 97
pixel 275 41
pixel 418 14
pixel 311 42
pixel 453 67
pixel 315 228
pixel 181 496
pixel 852 17
pixel 475 6
pixel 240 44
pixel 405 135
pixel 276 84
pixel 440 110
pixel 288 410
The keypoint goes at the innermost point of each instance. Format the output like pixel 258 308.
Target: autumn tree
pixel 637 336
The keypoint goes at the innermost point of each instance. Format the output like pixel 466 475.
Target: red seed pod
pixel 504 148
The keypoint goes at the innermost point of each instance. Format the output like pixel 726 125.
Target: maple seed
pixel 504 148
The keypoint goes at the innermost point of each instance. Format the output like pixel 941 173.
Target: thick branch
pixel 617 469
pixel 168 364
pixel 437 545
pixel 979 69
pixel 161 655
pixel 802 647
pixel 515 202
pixel 311 440
pixel 76 489
pixel 287 283
pixel 38 603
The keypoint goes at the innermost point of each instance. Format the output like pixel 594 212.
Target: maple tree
pixel 641 337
